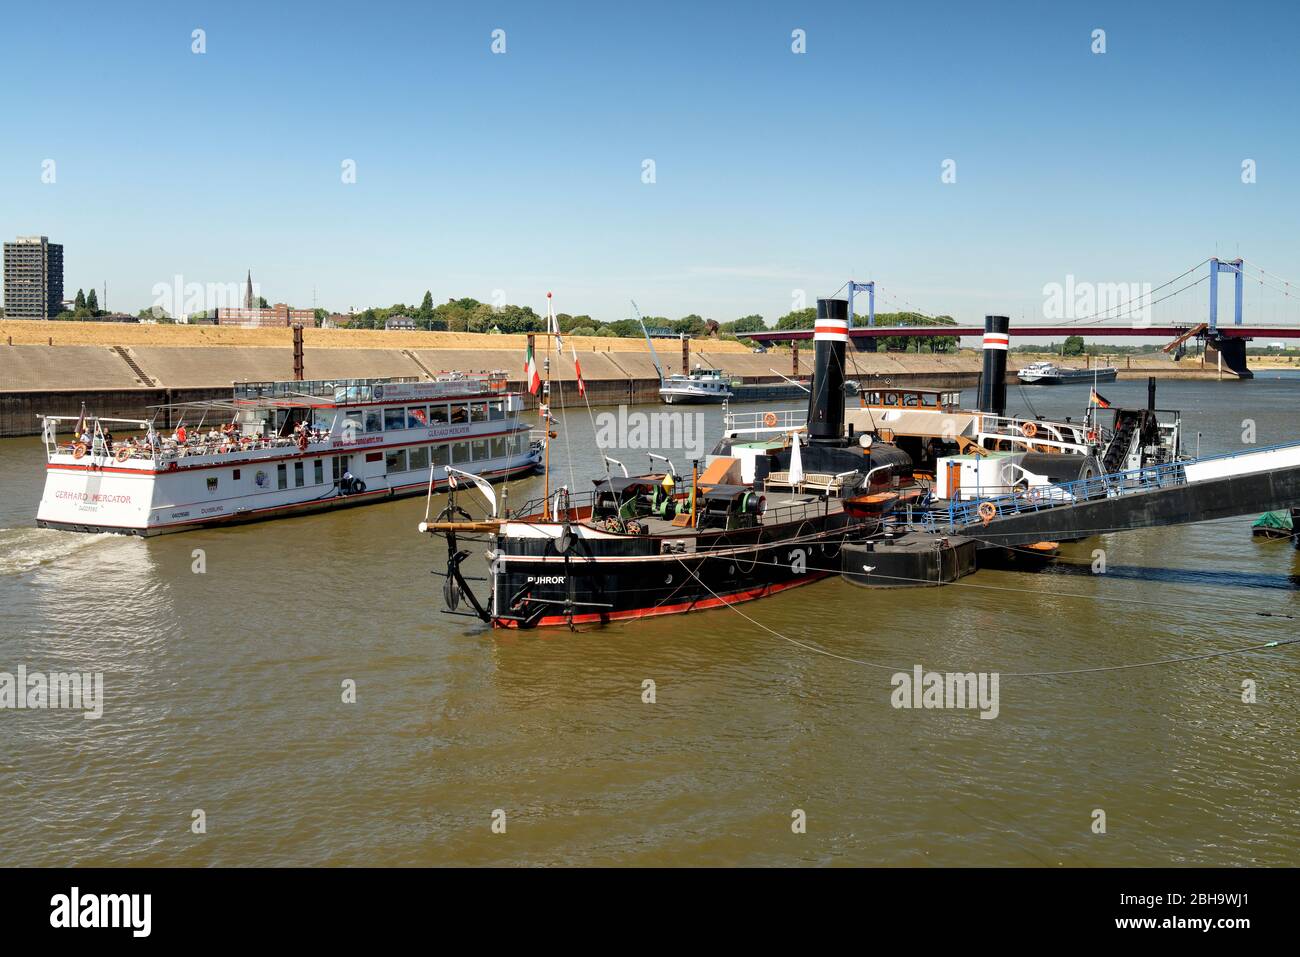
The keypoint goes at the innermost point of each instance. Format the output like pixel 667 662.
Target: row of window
pixel 416 416
pixel 415 459
pixel 453 453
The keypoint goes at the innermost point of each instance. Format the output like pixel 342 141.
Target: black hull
pixel 630 577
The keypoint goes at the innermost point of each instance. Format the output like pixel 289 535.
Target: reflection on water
pixel 224 692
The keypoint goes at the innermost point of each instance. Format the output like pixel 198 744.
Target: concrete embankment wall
pixel 120 370
pixel 125 380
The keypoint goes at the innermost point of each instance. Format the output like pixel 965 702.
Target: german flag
pixel 1099 400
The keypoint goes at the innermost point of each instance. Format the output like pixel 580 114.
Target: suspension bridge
pixel 1134 316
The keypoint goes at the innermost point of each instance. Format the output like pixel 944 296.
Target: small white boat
pixel 276 449
pixel 702 385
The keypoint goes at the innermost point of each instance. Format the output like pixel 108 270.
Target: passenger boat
pixel 277 449
pixel 1049 373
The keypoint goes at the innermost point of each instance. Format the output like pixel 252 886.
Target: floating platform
pixel 910 560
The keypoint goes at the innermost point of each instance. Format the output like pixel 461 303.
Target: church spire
pixel 248 292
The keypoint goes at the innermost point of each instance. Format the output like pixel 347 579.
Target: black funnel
pixel 826 398
pixel 993 382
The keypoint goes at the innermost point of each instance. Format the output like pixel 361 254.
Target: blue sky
pixel 775 171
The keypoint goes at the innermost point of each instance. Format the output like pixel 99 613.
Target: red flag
pixel 582 386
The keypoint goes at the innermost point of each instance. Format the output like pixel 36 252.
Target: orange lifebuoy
pixel 302 443
pixel 1029 429
pixel 123 454
pixel 986 511
pixel 1092 435
pixel 78 450
pixel 769 419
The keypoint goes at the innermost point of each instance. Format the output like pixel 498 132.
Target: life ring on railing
pixel 1029 429
pixel 78 450
pixel 123 454
pixel 1092 435
pixel 769 419
pixel 987 511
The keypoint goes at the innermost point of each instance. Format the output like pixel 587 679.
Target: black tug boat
pixel 763 516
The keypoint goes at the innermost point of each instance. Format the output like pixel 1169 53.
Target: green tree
pixel 424 318
pixel 745 324
pixel 1073 346
pixel 799 319
pixel 80 302
pixel 92 302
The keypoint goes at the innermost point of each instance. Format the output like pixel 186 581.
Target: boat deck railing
pixel 1070 433
pixel 778 511
pixel 970 512
pixel 764 423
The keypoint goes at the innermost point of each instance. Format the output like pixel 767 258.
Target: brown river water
pixel 222 692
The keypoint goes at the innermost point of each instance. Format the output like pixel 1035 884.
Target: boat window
pixel 298 480
pixel 318 477
pixel 480 447
pixel 374 421
pixel 438 415
pixel 282 476
pixel 499 447
pixel 323 419
pixel 496 410
pixel 440 454
pixel 340 466
pixel 459 412
pixel 416 417
pixel 395 460
pixel 394 420
pixel 478 411
pixel 235 476
pixel 352 427
pixel 459 453
pixel 419 458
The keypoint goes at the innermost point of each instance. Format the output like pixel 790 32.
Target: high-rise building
pixel 33 278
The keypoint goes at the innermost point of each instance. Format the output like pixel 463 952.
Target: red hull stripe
pixel 704 603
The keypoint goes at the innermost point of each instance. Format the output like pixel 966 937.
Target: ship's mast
pixel 546 406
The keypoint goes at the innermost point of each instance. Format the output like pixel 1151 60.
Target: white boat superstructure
pixel 276 449
pixel 702 385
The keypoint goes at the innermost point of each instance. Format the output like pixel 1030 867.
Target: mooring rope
pixel 1005 674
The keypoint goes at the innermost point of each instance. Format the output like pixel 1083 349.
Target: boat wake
pixel 22 549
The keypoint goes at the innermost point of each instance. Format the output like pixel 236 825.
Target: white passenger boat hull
pixel 138 501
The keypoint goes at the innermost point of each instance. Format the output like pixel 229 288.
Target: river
pixel 223 692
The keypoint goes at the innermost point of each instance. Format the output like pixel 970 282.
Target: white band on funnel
pixel 831 330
